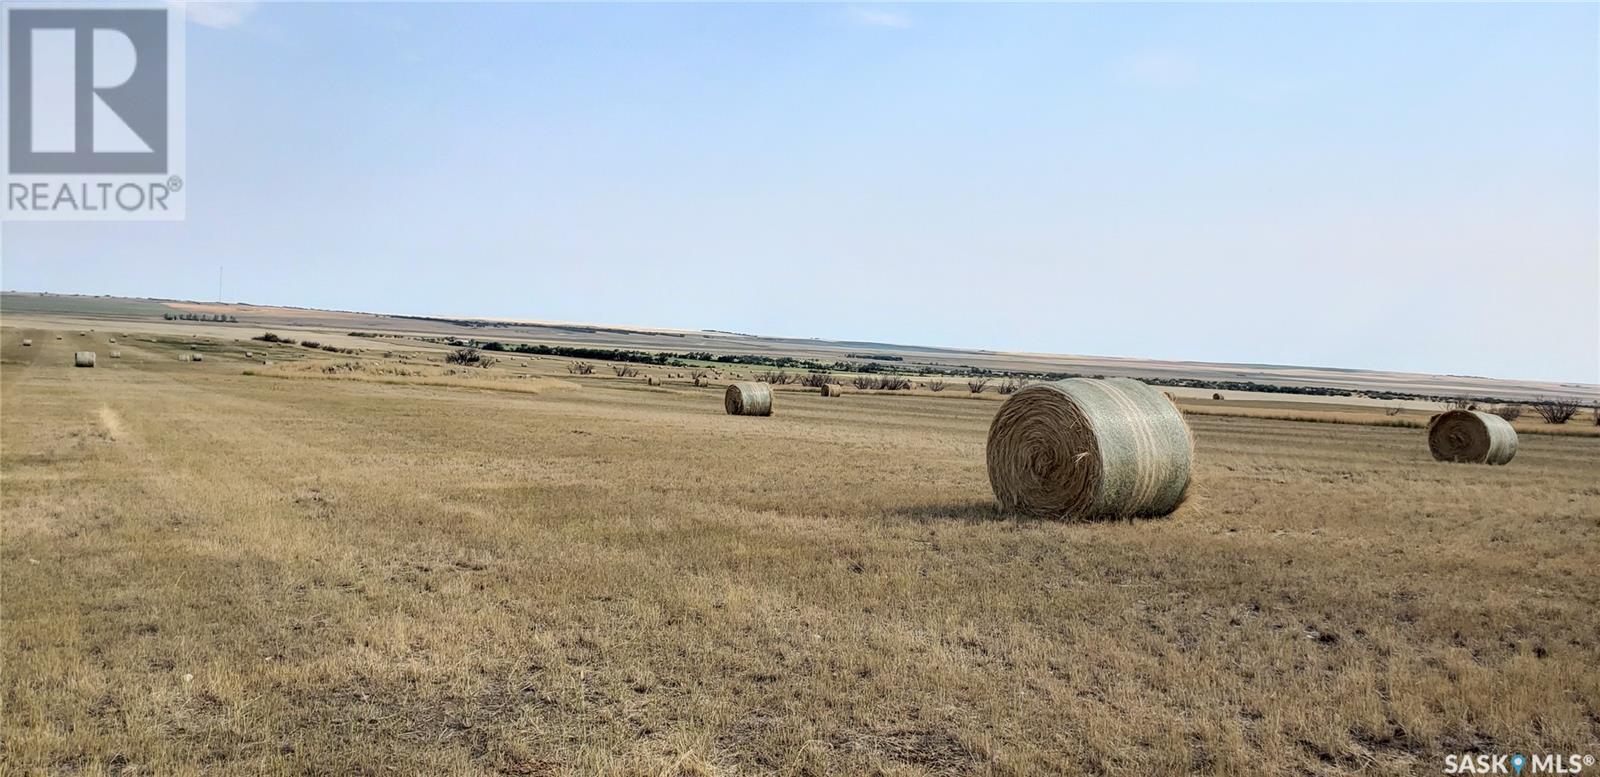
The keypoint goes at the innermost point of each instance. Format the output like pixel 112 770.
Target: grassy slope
pixel 211 571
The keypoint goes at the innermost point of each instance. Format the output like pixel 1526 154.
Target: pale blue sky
pixel 1399 187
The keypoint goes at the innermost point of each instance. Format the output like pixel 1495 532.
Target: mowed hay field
pixel 206 571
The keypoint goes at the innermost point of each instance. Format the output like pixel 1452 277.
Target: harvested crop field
pixel 219 572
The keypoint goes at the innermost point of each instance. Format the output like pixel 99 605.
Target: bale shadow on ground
pixel 989 511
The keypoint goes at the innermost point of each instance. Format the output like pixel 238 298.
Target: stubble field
pixel 207 571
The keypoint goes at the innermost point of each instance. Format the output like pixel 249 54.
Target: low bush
pixel 1556 410
pixel 469 357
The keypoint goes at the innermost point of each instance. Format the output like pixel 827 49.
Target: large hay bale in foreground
pixel 832 390
pixel 748 399
pixel 83 359
pixel 1472 437
pixel 1086 449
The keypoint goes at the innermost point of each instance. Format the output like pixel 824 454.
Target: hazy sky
pixel 1399 187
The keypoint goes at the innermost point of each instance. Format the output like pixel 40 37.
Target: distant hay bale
pixel 58 337
pixel 1472 437
pixel 111 340
pixel 83 359
pixel 1086 449
pixel 748 399
pixel 116 354
pixel 183 357
pixel 197 358
pixel 832 390
pixel 652 381
pixel 1216 396
pixel 26 342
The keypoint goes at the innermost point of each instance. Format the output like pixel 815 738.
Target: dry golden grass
pixel 212 572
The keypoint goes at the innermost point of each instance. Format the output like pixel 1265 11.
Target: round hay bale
pixel 116 354
pixel 1472 437
pixel 832 390
pixel 58 337
pixel 652 381
pixel 26 343
pixel 111 340
pixel 748 399
pixel 197 358
pixel 1086 449
pixel 83 359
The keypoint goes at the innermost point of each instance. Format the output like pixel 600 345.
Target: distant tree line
pixel 683 359
pixel 269 337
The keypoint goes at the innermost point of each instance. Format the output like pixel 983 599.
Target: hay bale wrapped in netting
pixel 83 359
pixel 1085 449
pixel 748 399
pixel 26 342
pixel 832 390
pixel 1471 436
